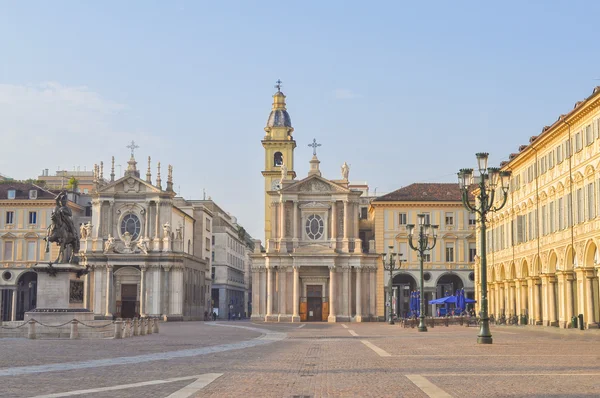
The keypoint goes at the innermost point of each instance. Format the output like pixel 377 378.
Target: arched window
pixel 278 159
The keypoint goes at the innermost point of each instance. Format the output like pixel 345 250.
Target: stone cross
pixel 314 146
pixel 278 85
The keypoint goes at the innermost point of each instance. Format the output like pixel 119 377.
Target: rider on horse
pixel 62 230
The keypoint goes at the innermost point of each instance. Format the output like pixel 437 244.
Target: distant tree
pixel 73 184
pixel 241 232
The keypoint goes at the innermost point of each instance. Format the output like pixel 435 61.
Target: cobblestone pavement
pixel 312 359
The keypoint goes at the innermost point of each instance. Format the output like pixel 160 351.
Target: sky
pixel 403 91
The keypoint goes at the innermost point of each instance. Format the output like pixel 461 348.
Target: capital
pixel 331 267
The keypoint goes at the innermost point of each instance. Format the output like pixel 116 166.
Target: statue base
pixel 60 296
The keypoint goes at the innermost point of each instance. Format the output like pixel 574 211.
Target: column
pixel 176 297
pixel 109 291
pixel 334 231
pixel 167 298
pixel 536 298
pixel 295 314
pixel 282 271
pixel 256 289
pixel 552 301
pixel 263 291
pixel 86 291
pixel 282 240
pixel 354 216
pixel 561 300
pixel 569 303
pixel 530 301
pixel 269 292
pixel 511 298
pixel 346 227
pixel 147 219
pixel 98 310
pixel 157 221
pixel 345 284
pixel 156 296
pixel 518 303
pixel 358 290
pixel 13 306
pixel 373 291
pixel 332 295
pixel 142 290
pixel 295 224
pixel 589 316
pixel 545 305
pixel 111 212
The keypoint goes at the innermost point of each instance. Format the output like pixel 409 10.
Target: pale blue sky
pixel 403 92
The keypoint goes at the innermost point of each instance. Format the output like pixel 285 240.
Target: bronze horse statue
pixel 62 231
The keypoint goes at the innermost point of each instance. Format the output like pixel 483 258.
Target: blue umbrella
pixel 418 309
pixel 444 300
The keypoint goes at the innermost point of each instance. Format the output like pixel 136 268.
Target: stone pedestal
pixel 56 302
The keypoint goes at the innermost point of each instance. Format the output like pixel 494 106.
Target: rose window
pixel 131 223
pixel 314 227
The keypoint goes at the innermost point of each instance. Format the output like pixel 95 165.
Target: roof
pixel 424 192
pixel 22 190
pixel 279 118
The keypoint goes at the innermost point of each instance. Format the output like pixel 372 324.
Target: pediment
pixel 8 235
pixel 31 235
pixel 129 184
pixel 449 236
pixel 315 205
pixel 315 184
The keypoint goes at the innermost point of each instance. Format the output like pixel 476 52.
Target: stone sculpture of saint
pixel 284 172
pixel 82 232
pixel 345 171
pixel 109 245
pixel 167 230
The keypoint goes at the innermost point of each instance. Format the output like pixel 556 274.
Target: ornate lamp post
pixel 426 231
pixel 391 266
pixel 489 177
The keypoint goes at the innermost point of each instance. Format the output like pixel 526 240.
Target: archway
pixel 402 284
pixel 26 293
pixel 571 287
pixel 591 289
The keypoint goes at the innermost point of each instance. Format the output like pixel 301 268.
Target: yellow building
pixel 25 211
pixel 448 267
pixel 542 246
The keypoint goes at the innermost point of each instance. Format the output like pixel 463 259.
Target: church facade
pixel 148 251
pixel 313 268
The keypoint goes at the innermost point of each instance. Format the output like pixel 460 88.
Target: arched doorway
pixel 402 285
pixel 448 284
pixel 26 294
pixel 127 293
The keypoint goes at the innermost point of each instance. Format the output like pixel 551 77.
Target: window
pixel 472 252
pixel 427 218
pixel 569 210
pixel 10 217
pixel 426 257
pixel 278 159
pixel 33 194
pixel 450 252
pixel 551 217
pixel 31 251
pixel 8 250
pixel 208 224
pixel 589 135
pixel 559 154
pixel 551 160
pixel 213 256
pixel 561 214
pixel 363 213
pixel 32 217
pixel 314 226
pixel 213 240
pixel 591 208
pixel 212 273
pixel 88 211
pixel 580 208
pixel 449 218
pixel 86 191
pixel 402 219
pixel 567 145
pixel 578 142
pixel 12 194
pixel 472 219
pixel 131 223
pixel 544 220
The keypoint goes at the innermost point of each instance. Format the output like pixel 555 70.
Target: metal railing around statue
pixel 75 329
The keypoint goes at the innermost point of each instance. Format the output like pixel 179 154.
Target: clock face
pixel 276 185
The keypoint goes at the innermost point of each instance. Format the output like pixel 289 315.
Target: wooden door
pixel 303 310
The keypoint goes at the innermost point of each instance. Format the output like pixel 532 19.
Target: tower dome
pixel 279 116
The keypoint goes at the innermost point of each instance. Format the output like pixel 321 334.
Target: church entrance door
pixel 314 300
pixel 128 301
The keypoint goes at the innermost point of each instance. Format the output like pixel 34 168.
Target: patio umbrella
pixel 418 309
pixel 444 300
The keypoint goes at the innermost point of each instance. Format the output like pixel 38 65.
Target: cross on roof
pixel 314 146
pixel 278 85
pixel 132 146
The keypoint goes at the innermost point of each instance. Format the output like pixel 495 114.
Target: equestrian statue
pixel 62 230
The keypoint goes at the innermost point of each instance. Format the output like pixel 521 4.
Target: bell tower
pixel 279 151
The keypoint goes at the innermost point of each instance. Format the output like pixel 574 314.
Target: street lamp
pixel 426 231
pixel 489 179
pixel 391 266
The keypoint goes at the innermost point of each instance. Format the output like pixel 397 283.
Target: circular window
pixel 427 276
pixel 471 276
pixel 6 275
pixel 131 223
pixel 314 227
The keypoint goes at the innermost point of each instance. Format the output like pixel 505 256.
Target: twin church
pixel 313 268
